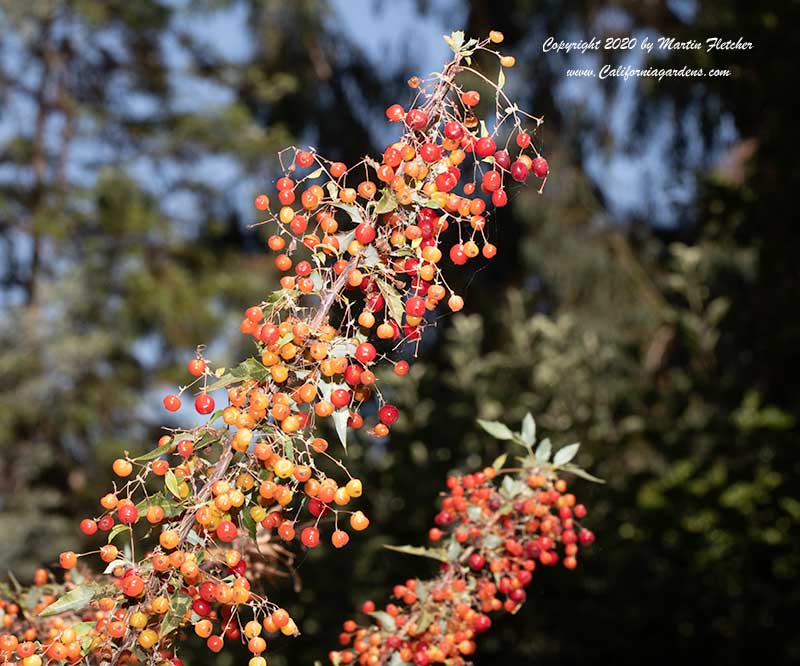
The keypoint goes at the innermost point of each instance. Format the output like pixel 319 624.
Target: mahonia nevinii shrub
pixel 188 527
pixel 495 527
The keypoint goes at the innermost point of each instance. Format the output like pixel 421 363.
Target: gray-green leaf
pixel 566 454
pixel 496 429
pixel 528 430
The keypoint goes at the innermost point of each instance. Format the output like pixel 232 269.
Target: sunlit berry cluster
pixel 496 528
pixel 361 249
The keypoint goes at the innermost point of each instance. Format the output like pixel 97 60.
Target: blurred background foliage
pixel 646 305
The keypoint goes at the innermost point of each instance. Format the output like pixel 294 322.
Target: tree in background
pixel 127 139
pixel 607 295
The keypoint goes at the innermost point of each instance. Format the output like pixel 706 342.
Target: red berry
pixel 365 233
pixel 417 119
pixel 105 523
pixel 481 623
pixel 226 531
pixel 262 202
pixel 388 414
pixel 215 643
pixel 285 184
pixel 269 333
pixel 476 561
pixel 395 113
pixel 172 402
pixel 453 130
pixel 185 448
pixel 202 607
pixel 445 182
pixel 415 307
pixel 197 366
pixel 133 586
pixel 540 167
pixel 485 146
pixel 88 526
pixel 309 537
pixel 352 374
pixel 316 508
pixel 519 171
pixel 457 255
pixel 204 403
pixel 523 139
pixel 207 591
pixel 401 369
pixel 492 181
pixel 127 514
pixel 392 156
pixel 471 98
pixel 304 158
pixel 340 398
pixel 500 198
pixel 502 159
pixel 254 314
pixel 365 352
pixel 430 152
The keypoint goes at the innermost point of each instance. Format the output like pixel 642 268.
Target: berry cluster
pixel 495 528
pixel 361 250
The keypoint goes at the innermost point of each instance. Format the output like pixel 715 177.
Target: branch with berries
pixel 495 528
pixel 362 250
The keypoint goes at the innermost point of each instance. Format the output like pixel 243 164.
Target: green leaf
pixel 178 605
pixel 528 430
pixel 543 451
pixel 386 620
pixel 341 347
pixel 250 368
pixel 171 509
pixel 333 189
pixel 117 530
pixel 393 300
pixel 566 454
pixel 155 453
pixel 15 582
pixel 453 551
pixel 370 257
pixel 484 129
pixel 171 482
pixel 579 471
pixel 425 619
pixel 438 554
pixel 82 628
pixel 500 461
pixel 496 429
pixel 76 599
pixel 33 597
pixel 353 211
pixel 286 337
pixel 386 203
pixel 510 488
pixel 501 79
pixel 248 522
pixel 316 174
pixel 455 40
pixel 492 541
pixel 113 565
pixel 340 417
